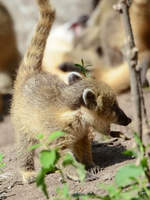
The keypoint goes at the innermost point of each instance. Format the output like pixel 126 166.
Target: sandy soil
pixel 107 155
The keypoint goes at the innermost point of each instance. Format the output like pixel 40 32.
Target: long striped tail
pixel 33 57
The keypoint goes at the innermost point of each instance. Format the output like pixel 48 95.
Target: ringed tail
pixel 33 57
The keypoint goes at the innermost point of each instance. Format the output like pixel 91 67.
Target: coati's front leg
pixel 82 151
pixel 83 154
pixel 26 158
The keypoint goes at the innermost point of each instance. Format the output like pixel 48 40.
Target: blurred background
pixel 25 15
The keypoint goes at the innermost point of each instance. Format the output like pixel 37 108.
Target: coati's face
pixel 95 101
pixel 102 101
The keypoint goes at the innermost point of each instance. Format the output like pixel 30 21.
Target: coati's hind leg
pixel 26 158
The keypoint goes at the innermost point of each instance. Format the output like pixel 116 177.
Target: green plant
pixel 131 181
pixel 49 159
pixel 2 164
pixel 83 68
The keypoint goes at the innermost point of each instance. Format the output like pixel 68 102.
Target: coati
pixel 102 45
pixel 43 103
pixel 94 3
pixel 9 56
pixel 58 47
pixel 112 42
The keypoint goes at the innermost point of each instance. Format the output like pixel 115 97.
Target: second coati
pixel 43 103
pixel 102 44
pixel 9 55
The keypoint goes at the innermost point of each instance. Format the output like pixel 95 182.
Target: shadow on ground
pixel 107 154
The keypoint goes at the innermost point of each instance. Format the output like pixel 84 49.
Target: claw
pixel 90 177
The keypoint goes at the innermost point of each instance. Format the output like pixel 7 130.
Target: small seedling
pixel 83 68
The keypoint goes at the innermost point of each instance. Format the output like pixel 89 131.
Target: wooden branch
pixel 132 58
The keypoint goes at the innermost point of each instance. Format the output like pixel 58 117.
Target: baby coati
pixel 43 103
pixel 9 55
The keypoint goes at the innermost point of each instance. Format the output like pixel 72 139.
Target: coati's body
pixel 42 103
pixel 102 44
pixel 59 48
pixel 112 33
pixel 113 40
pixel 9 55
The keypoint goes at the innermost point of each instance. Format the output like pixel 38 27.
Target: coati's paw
pixel 90 176
pixel 95 169
pixel 92 172
pixel 71 174
pixel 28 176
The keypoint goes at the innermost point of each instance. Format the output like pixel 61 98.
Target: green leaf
pixel 81 171
pixel 40 136
pixel 1 157
pixel 68 159
pixel 82 67
pixel 35 146
pixel 130 153
pixel 144 163
pixel 112 190
pixel 2 164
pixel 55 135
pixel 84 198
pixel 125 173
pixel 65 190
pixel 139 142
pixel 40 182
pixel 48 159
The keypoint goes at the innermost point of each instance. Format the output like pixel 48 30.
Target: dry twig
pixel 135 78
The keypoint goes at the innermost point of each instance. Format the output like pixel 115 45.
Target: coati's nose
pixel 126 121
pixel 122 118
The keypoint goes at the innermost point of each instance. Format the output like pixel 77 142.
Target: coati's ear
pixel 89 98
pixel 74 77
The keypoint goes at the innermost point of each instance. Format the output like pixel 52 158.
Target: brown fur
pixel 113 39
pixel 9 55
pixel 107 34
pixel 42 103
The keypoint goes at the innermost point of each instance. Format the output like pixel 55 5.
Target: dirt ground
pixel 107 155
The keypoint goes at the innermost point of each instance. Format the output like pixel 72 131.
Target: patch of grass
pixel 131 181
pixel 2 164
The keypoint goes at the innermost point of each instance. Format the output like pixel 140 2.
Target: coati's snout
pixel 122 118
